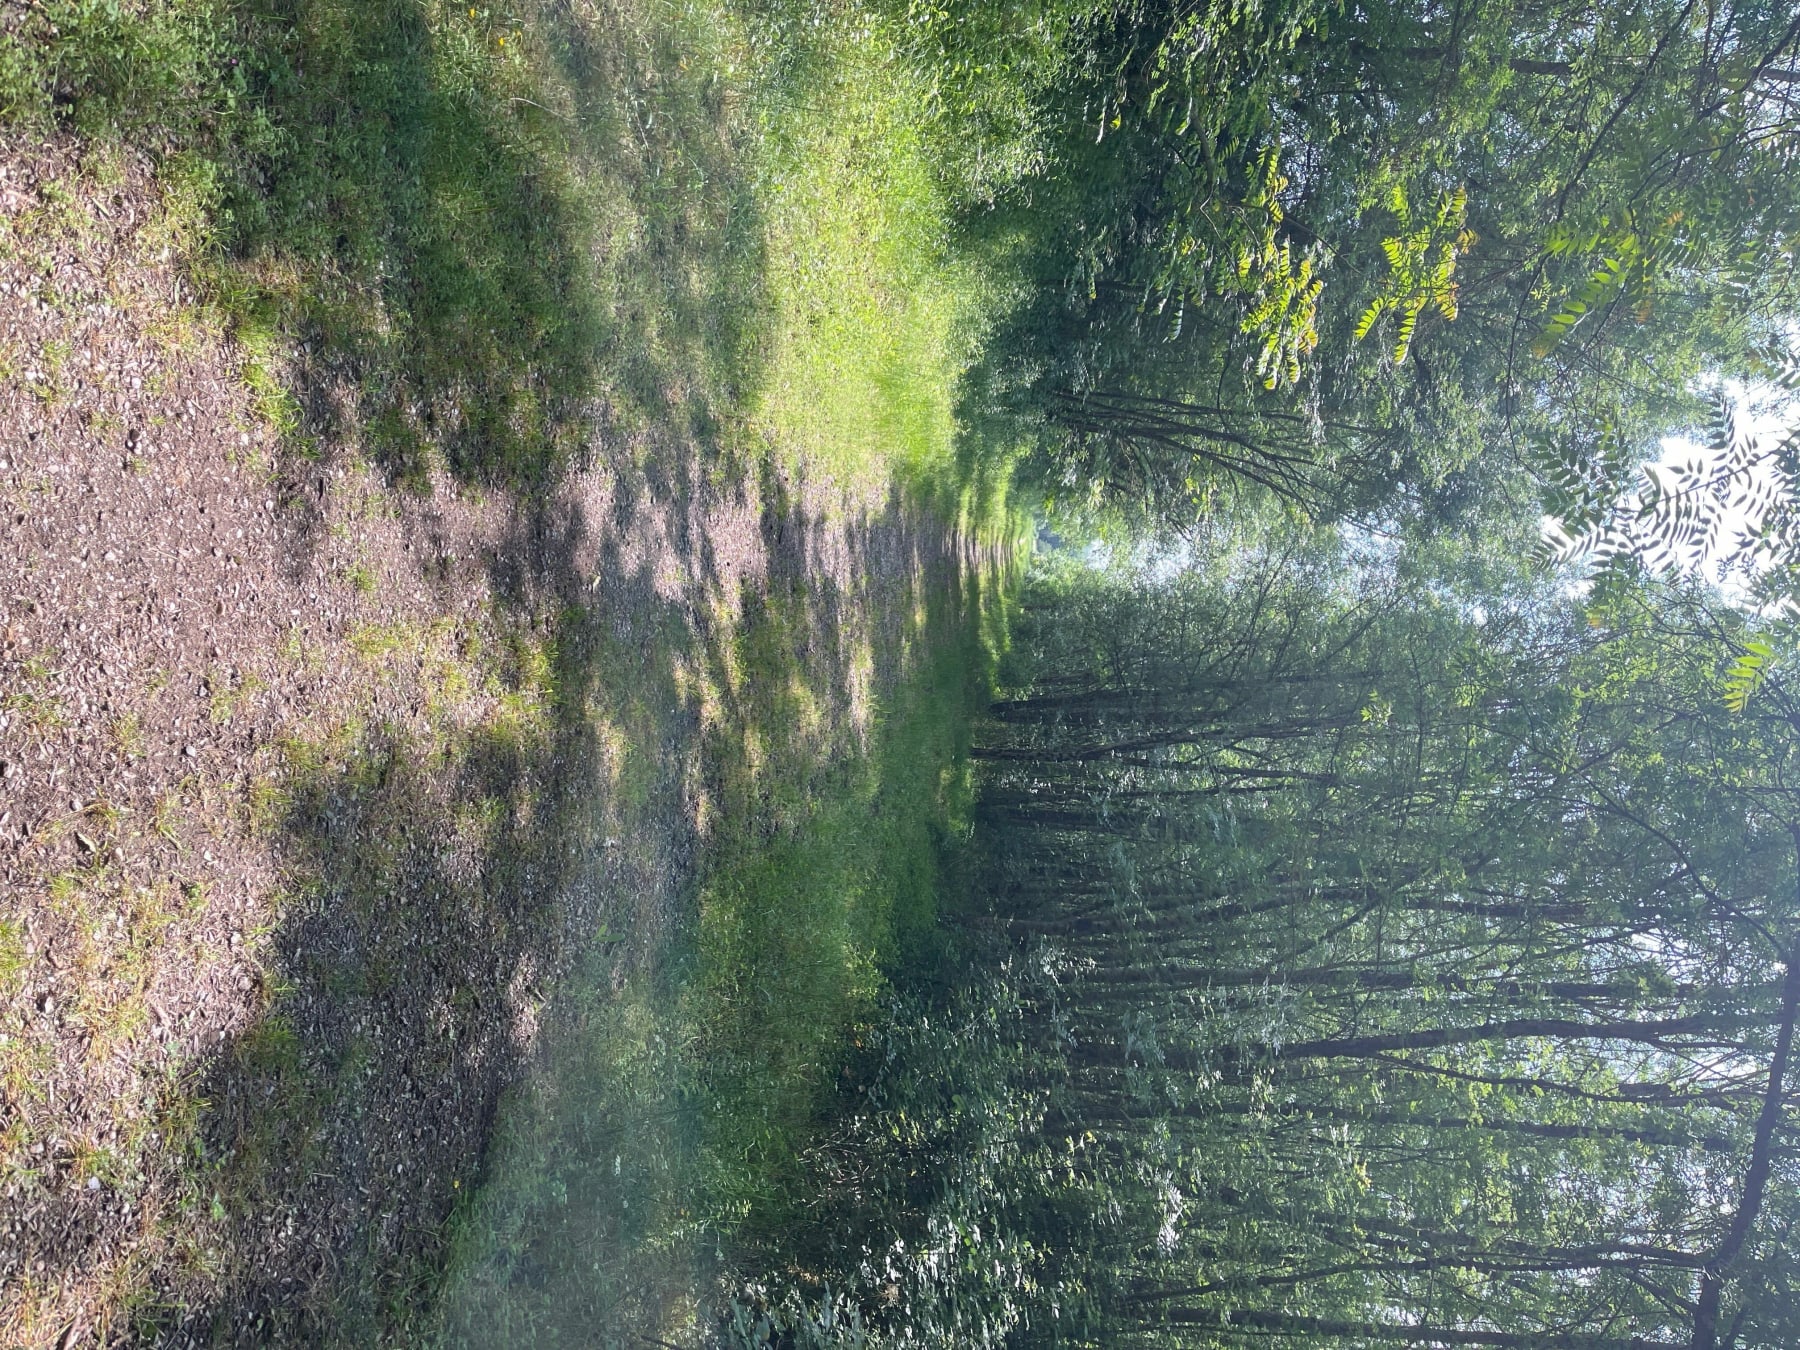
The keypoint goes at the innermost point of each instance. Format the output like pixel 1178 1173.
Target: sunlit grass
pixel 663 1132
pixel 498 245
pixel 875 318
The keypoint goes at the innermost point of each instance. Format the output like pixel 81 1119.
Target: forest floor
pixel 368 825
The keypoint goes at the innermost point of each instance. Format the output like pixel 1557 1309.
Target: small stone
pixel 93 1183
pixel 189 751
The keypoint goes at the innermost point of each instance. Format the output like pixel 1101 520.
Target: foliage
pixel 1624 169
pixel 1421 266
pixel 1383 943
pixel 1747 674
pixel 1375 969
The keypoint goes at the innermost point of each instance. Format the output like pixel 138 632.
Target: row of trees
pixel 1425 964
pixel 1370 957
pixel 1388 944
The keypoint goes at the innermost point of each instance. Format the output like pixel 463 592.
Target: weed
pixel 105 814
pixel 128 736
pixel 227 693
pixel 68 891
pixel 115 1013
pixel 272 1047
pixel 44 378
pixel 373 642
pixel 166 817
pixel 361 577
pixel 25 1064
pixel 39 711
pixel 196 895
pixel 268 804
pixel 104 424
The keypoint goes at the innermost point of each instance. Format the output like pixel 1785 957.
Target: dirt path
pixel 314 789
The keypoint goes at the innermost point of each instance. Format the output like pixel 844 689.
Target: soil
pixel 314 787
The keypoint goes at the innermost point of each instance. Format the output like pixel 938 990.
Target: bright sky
pixel 1764 413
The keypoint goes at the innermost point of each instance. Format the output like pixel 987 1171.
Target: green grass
pixel 12 954
pixel 809 903
pixel 486 219
pixel 505 227
pixel 661 1143
pixel 493 243
pixel 876 319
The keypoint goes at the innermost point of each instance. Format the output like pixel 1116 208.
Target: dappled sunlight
pixel 484 638
pixel 499 812
pixel 528 822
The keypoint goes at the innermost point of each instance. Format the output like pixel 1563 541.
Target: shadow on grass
pixel 493 246
pixel 487 254
pixel 526 1071
pixel 473 236
pixel 662 1135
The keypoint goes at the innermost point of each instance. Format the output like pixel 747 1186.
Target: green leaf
pixel 1747 674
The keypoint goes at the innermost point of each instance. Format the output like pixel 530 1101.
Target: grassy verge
pixel 453 236
pixel 467 238
pixel 657 1155
pixel 875 319
pixel 810 902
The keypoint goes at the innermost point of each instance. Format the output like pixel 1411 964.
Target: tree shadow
pixel 458 264
pixel 488 256
pixel 470 1064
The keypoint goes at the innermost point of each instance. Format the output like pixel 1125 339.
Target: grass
pixel 31 699
pixel 12 953
pixel 875 317
pixel 496 245
pixel 487 219
pixel 814 897
pixel 660 1140
pixel 509 227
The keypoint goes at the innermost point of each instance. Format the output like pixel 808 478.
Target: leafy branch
pixel 1631 264
pixel 1421 266
pixel 1610 511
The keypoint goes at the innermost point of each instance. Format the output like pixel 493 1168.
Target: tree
pixel 1424 972
pixel 1343 257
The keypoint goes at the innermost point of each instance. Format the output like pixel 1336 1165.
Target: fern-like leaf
pixel 1747 674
